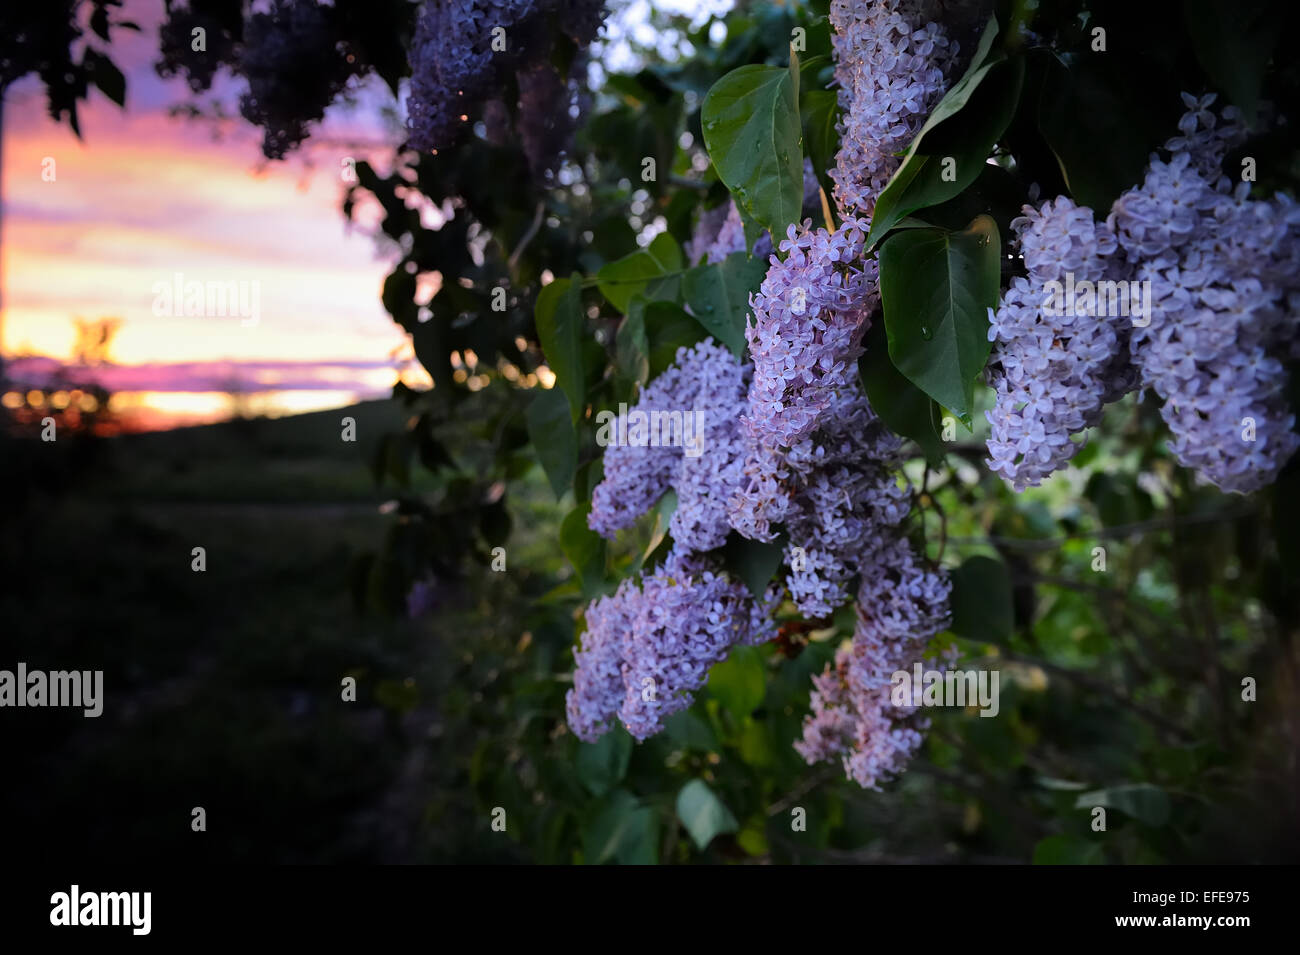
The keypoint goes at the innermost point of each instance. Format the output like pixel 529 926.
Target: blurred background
pixel 230 432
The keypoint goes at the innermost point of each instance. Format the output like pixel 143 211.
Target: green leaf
pixel 584 548
pixel 751 129
pixel 719 296
pixel 99 23
pixel 559 319
pixel 904 408
pixel 753 561
pixel 398 296
pixel 550 429
pixel 753 839
pixel 753 229
pixel 1091 101
pixel 669 328
pixel 703 814
pixel 603 764
pixel 494 523
pixel 398 459
pixel 1142 801
pixel 936 288
pixel 1116 500
pixel 818 113
pixel 1060 785
pixel 964 126
pixel 686 729
pixel 1067 850
pixel 982 607
pixel 739 682
pixel 756 743
pixel 105 74
pixel 663 512
pixel 1234 43
pixel 621 830
pixel 430 344
pixel 645 272
pixel 631 346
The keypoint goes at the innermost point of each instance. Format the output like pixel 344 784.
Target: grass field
pixel 222 687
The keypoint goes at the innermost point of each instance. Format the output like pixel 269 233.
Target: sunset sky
pixel 144 196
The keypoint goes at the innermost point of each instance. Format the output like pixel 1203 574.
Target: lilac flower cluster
pixel 809 318
pixel 1053 364
pixel 454 68
pixel 720 231
pixel 846 516
pixel 423 598
pixel 453 64
pixel 701 246
pixel 549 109
pixel 842 498
pixel 176 43
pixel 820 463
pixel 1225 279
pixel 295 65
pixel 708 382
pixel 649 646
pixel 901 606
pixel 648 649
pixel 836 490
pixel 810 314
pixel 598 689
pixel 704 480
pixel 890 63
pixel 687 619
pixel 1223 274
pixel 794 447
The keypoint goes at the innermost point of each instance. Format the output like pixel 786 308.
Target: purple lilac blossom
pixel 845 498
pixel 454 67
pixel 598 690
pixel 688 617
pixel 809 317
pixel 1225 285
pixel 708 474
pixel 422 598
pixel 649 648
pixel 706 384
pixel 295 65
pixel 853 718
pixel 1056 357
pixel 890 63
